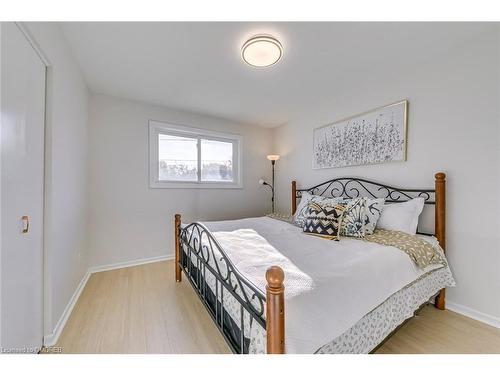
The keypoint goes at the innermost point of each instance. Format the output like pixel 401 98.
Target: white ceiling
pixel 197 66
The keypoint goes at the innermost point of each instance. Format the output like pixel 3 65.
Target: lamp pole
pixel 272 187
pixel 272 159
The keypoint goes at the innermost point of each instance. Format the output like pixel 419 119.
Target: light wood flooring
pixel 142 310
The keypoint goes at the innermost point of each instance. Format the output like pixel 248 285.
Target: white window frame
pixel 157 127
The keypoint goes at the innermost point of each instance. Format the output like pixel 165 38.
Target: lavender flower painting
pixel 377 136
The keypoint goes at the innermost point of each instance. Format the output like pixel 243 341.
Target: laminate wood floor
pixel 142 309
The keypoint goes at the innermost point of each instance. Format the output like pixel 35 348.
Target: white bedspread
pixel 329 285
pixel 243 246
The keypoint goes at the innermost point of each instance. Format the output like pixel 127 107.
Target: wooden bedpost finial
pixel 440 176
pixel 275 310
pixel 275 277
pixel 294 197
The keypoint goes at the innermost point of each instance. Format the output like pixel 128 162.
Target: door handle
pixel 26 223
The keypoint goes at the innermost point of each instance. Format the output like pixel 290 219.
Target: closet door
pixel 22 175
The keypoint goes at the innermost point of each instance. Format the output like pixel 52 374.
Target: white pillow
pixel 402 217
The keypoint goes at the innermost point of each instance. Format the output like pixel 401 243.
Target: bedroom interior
pixel 249 188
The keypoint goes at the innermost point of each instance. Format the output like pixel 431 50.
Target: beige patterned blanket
pixel 418 249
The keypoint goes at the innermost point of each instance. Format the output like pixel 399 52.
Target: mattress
pixel 330 286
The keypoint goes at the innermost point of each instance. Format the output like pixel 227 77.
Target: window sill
pixel 194 185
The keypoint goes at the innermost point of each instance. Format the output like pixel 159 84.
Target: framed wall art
pixel 372 137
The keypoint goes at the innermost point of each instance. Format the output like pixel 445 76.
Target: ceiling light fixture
pixel 262 51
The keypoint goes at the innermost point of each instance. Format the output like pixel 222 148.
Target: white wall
pixel 66 194
pixel 453 127
pixel 128 220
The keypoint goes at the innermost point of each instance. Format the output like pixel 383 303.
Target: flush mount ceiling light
pixel 262 51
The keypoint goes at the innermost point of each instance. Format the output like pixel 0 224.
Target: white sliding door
pixel 22 167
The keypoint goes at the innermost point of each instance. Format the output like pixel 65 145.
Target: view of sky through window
pixel 216 160
pixel 178 159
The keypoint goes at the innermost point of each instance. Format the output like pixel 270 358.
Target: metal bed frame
pixel 197 253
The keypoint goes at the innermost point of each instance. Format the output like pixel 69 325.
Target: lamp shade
pixel 273 157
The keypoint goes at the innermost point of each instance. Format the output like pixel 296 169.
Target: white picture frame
pixel 373 137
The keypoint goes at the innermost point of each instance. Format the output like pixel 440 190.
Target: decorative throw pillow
pixel 353 223
pixel 401 217
pixel 323 220
pixel 299 219
pixel 373 207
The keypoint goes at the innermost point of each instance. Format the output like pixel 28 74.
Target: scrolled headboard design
pixel 353 187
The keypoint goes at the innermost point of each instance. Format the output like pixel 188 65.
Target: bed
pixel 342 297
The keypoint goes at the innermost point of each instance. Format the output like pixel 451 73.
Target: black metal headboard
pixel 353 187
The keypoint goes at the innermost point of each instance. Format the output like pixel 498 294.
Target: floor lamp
pixel 273 159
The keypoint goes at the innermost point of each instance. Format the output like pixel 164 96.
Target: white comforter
pixel 333 284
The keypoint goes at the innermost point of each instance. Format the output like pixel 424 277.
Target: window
pixel 187 157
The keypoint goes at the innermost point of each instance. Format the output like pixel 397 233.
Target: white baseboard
pixel 130 263
pixel 474 314
pixel 52 338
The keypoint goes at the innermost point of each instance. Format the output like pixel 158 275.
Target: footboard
pixel 233 302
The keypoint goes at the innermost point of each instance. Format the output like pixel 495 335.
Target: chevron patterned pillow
pixel 323 220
